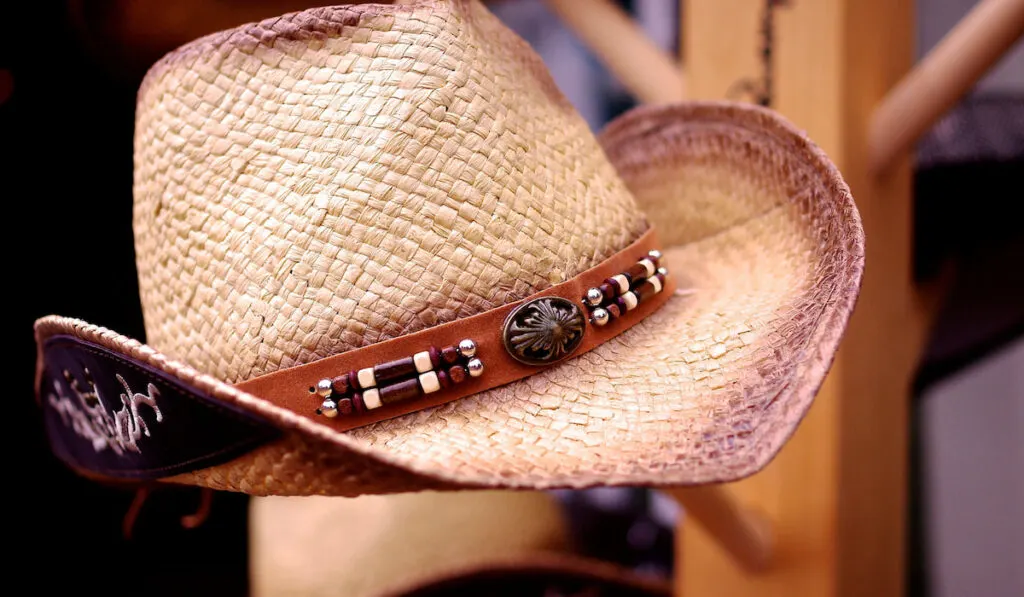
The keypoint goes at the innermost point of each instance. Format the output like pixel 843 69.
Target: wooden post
pixel 649 73
pixel 944 76
pixel 836 493
pixel 744 533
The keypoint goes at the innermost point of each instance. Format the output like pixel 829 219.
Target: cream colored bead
pixel 656 283
pixel 630 299
pixel 422 361
pixel 371 398
pixel 366 378
pixel 429 382
pixel 622 282
pixel 649 266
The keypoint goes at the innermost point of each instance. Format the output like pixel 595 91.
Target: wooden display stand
pixel 827 516
pixel 836 494
pixel 835 497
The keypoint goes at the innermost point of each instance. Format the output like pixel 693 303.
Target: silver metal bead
pixel 323 387
pixel 467 348
pixel 594 297
pixel 663 271
pixel 329 408
pixel 475 367
pixel 600 316
pixel 655 254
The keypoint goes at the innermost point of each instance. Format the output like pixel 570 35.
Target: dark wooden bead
pixel 394 370
pixel 403 390
pixel 446 382
pixel 614 311
pixel 357 403
pixel 645 291
pixel 353 380
pixel 435 357
pixel 450 355
pixel 340 385
pixel 621 304
pixel 637 273
pixel 661 278
pixel 457 374
pixel 608 289
pixel 345 406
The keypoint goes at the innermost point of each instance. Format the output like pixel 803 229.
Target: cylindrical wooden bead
pixel 429 382
pixel 450 355
pixel 392 370
pixel 345 406
pixel 608 290
pixel 353 381
pixel 620 302
pixel 423 361
pixel 340 385
pixel 613 311
pixel 648 265
pixel 435 356
pixel 645 291
pixel 442 376
pixel 357 403
pixel 656 283
pixel 366 378
pixel 403 390
pixel 637 272
pixel 619 283
pixel 457 374
pixel 371 398
pixel 631 300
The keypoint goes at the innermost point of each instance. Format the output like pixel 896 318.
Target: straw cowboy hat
pixel 378 251
pixel 390 543
pixel 506 543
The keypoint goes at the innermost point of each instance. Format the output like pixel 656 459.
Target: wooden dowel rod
pixel 948 72
pixel 620 44
pixel 746 535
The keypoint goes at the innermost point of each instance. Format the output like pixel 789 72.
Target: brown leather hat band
pixel 428 368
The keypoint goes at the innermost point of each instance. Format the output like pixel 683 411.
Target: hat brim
pixel 767 248
pixel 541 575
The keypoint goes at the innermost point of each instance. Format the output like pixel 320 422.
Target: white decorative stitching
pixel 89 418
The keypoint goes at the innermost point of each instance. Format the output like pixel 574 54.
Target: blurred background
pixel 68 76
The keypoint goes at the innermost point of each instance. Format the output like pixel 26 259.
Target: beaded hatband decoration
pixel 516 339
pixel 622 293
pixel 395 381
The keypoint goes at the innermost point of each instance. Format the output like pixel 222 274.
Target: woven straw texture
pixel 337 177
pixel 393 542
pixel 260 253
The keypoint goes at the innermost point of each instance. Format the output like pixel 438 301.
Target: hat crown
pixel 337 177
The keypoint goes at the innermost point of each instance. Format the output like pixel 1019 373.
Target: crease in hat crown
pixel 337 177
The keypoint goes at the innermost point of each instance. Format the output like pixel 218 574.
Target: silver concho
pixel 544 330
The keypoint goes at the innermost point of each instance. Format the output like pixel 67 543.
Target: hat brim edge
pixel 811 372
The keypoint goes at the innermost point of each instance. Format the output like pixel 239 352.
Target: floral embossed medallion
pixel 544 330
